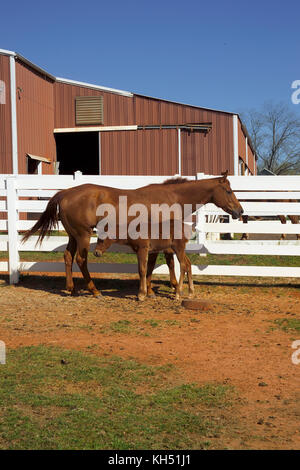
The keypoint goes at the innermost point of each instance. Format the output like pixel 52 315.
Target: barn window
pixel 89 110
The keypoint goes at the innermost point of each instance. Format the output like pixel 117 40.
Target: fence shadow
pixel 115 287
pixel 128 288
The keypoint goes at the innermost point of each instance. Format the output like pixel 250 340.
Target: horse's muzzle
pixel 237 214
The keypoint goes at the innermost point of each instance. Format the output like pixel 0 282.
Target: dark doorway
pixel 78 151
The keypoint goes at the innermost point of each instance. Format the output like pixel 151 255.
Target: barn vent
pixel 89 110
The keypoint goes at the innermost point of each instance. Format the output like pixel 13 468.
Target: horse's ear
pixel 224 176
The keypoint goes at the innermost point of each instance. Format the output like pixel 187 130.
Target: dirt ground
pixel 237 342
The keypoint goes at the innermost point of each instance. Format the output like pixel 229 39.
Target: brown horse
pixel 77 209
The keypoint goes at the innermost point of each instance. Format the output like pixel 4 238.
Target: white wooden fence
pixel 30 194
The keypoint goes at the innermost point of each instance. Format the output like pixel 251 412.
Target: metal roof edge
pixel 35 67
pixel 64 80
pixel 27 62
pixel 96 87
pixel 184 104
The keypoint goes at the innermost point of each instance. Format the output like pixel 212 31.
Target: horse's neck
pixel 195 192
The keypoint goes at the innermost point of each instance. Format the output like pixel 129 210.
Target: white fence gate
pixel 30 194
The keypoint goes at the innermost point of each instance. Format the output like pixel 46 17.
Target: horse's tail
pixel 47 221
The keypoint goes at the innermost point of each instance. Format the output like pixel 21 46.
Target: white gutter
pixel 13 94
pixel 235 145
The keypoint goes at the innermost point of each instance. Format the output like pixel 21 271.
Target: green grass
pixel 58 399
pixel 288 324
pixel 245 260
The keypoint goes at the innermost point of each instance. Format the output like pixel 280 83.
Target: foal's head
pixel 224 197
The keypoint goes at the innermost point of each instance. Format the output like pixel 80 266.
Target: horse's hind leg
pixel 83 244
pixel 151 264
pixel 69 257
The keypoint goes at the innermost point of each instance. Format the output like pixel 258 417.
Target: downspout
pixel 235 145
pixel 179 150
pixel 13 101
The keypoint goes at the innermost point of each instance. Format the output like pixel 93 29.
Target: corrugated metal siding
pixel 5 119
pixel 211 154
pixel 241 142
pixel 117 109
pixel 35 116
pixel 251 164
pixel 142 152
pixel 242 148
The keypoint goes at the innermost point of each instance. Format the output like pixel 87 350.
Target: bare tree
pixel 275 134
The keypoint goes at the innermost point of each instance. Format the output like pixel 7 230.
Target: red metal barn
pixel 52 125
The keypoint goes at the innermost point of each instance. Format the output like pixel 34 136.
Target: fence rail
pixel 260 195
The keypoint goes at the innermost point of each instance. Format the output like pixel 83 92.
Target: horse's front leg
pixel 142 254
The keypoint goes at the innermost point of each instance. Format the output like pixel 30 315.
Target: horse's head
pixel 224 197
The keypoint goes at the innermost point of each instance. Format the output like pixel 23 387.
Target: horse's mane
pixel 178 180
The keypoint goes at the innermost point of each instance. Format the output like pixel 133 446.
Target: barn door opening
pixel 78 151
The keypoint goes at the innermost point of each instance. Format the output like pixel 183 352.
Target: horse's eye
pixel 228 191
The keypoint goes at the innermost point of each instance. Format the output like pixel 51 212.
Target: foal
pixel 154 246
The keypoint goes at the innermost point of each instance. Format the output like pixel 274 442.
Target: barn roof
pixel 114 90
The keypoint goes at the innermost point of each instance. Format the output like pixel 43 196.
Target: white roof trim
pixel 5 52
pixel 96 87
pixel 103 88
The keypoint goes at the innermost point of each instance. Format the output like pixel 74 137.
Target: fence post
pixel 13 236
pixel 77 175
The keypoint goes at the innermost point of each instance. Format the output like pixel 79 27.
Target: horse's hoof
pixel 141 297
pixel 97 253
pixel 151 296
pixel 97 295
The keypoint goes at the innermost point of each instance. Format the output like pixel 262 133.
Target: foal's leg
pixel 180 253
pixel 69 257
pixel 151 264
pixel 171 265
pixel 83 244
pixel 142 254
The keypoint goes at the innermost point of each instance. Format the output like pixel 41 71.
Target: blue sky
pixel 231 55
